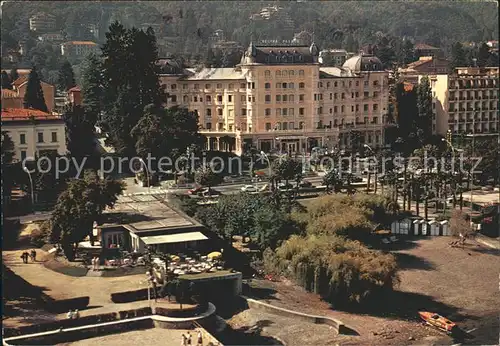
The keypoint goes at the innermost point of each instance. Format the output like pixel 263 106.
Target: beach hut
pixel 444 228
pixel 424 227
pixel 434 227
pixel 401 226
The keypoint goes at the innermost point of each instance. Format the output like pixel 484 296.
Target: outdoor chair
pixel 386 241
pixel 393 239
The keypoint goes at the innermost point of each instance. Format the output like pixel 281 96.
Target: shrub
pixel 38 237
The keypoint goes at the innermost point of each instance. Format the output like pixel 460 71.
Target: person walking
pixel 200 338
pixel 184 340
pixel 33 255
pixel 25 256
pixel 188 338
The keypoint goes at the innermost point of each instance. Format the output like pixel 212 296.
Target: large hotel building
pixel 279 97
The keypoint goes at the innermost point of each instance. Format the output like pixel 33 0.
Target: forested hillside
pixel 185 27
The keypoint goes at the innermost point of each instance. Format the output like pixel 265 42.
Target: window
pixel 375 82
pixel 173 98
pixel 244 111
pixel 185 99
pixel 375 106
pixel 284 112
pixel 350 83
pixel 231 86
pixel 375 120
pixel 268 112
pixel 253 85
pixel 301 98
pixel 196 86
pixel 375 94
pixel 301 72
pixel 219 112
pixel 365 83
pixel 267 85
pixel 283 85
pixel 335 109
pixel 357 94
pixel 320 110
pixel 40 137
pixel 327 84
pixel 357 83
pixel 229 98
pixel 301 111
pixel 208 86
pixel 278 112
pixel 23 155
pixel 352 95
pixel 195 98
pixel 301 85
pixel 173 86
pixel 284 73
pixel 291 111
pixel 335 84
pixel 285 98
pixel 208 98
pixel 268 126
pixel 278 98
pixel 343 96
pixel 366 94
pixel 342 109
pixel 285 126
pixel 335 96
pixel 291 85
pixel 219 98
pixel 221 126
pixel 291 125
pixel 267 73
pixel 219 86
pixel 365 107
pixel 268 98
pixel 208 126
pixel 278 73
pixel 357 108
pixel 242 85
pixel 22 138
pixel 290 98
pixel 331 96
pixel 301 125
pixel 291 73
pixel 184 86
pixel 278 85
pixel 208 112
pixel 243 98
pixel 54 137
pixel 331 111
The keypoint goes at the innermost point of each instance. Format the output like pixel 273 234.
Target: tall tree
pixel 14 74
pixel 80 133
pixel 458 56
pixel 78 207
pixel 483 55
pixel 66 77
pixel 34 94
pixel 92 86
pixel 6 82
pixel 424 105
pixel 131 82
pixel 207 176
pixel 7 169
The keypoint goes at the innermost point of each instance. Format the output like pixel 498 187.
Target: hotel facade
pixel 280 98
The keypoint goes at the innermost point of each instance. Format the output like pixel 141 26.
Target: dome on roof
pixel 361 63
pixel 314 49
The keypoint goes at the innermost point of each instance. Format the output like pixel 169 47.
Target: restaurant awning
pixel 173 238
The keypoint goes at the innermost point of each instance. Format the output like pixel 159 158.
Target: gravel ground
pixel 149 337
pixel 461 284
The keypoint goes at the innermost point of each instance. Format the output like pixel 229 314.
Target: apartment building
pixel 34 132
pixel 280 98
pixel 42 22
pixel 334 57
pixel 466 102
pixel 424 65
pixel 79 49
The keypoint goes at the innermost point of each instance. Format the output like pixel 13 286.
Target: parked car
pixel 206 193
pixel 283 186
pixel 249 188
pixel 195 191
pixel 306 184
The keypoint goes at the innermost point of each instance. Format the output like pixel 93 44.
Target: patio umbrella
pixel 175 258
pixel 215 254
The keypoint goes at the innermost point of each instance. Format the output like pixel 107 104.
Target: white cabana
pixel 444 228
pixel 434 227
pixel 402 226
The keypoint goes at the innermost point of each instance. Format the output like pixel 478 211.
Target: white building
pixel 34 132
pixel 79 48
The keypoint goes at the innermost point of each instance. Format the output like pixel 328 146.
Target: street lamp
pixel 369 171
pixel 146 170
pixel 31 183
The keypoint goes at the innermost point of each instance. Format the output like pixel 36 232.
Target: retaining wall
pixel 337 324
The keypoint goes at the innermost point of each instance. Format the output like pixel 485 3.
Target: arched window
pixel 268 112
pixel 291 85
pixel 301 72
pixel 284 73
pixel 278 73
pixel 301 85
pixel 267 73
pixel 267 85
pixel 291 73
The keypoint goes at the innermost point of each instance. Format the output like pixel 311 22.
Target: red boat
pixel 438 321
